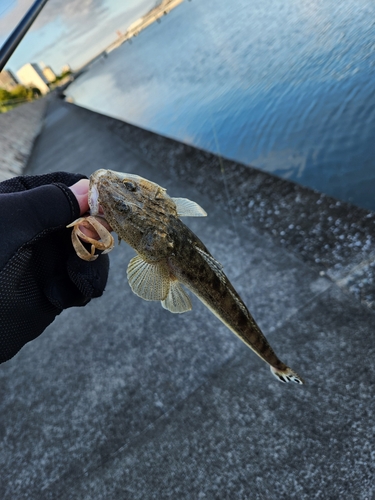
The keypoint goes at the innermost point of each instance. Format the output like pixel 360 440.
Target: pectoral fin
pixel 148 280
pixel 188 208
pixel 177 300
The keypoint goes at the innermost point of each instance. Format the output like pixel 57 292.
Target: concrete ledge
pixel 121 399
pixel 18 131
pixel 336 237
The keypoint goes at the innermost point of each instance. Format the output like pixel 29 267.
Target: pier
pixel 123 400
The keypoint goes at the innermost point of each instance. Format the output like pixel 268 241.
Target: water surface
pixel 287 87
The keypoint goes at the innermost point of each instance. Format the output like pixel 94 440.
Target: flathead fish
pixel 169 255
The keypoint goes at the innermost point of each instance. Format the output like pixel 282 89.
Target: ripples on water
pixel 286 86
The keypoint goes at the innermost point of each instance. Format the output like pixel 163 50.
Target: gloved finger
pixel 30 215
pixel 89 277
pixel 66 279
pixel 26 182
pixel 81 190
pixel 83 282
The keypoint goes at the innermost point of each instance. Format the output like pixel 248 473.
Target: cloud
pixel 75 12
pixel 89 30
pixel 70 30
pixel 12 15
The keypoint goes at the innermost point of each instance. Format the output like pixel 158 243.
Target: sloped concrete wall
pixel 123 400
pixel 18 131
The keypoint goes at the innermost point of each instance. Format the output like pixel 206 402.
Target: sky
pixel 68 31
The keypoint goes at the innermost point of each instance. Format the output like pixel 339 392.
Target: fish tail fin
pixel 286 375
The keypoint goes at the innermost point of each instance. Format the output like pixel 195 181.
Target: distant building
pixel 49 74
pixel 31 75
pixel 66 69
pixel 136 25
pixel 7 80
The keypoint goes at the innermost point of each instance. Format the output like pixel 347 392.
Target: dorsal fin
pixel 188 208
pixel 213 263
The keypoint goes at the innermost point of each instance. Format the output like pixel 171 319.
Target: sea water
pixel 287 87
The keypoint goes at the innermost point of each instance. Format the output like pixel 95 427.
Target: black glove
pixel 40 273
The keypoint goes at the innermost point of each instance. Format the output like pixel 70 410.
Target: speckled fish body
pixel 170 254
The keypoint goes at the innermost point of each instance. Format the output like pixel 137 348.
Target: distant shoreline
pixel 135 28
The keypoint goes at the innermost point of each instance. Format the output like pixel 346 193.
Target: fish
pixel 171 258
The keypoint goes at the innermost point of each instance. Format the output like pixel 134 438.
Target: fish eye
pixel 129 186
pixel 121 206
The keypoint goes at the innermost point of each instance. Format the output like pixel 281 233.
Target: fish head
pixel 128 198
pixel 109 188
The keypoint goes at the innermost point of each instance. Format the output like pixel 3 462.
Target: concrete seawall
pixel 18 131
pixel 338 237
pixel 124 400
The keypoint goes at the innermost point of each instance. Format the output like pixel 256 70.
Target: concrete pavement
pixel 123 400
pixel 18 131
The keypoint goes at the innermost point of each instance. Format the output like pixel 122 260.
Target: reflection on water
pixel 285 86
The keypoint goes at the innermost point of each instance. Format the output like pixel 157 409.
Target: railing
pixel 19 32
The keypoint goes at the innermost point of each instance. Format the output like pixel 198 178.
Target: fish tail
pixel 286 375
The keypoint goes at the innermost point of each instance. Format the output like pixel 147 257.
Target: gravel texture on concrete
pixel 123 400
pixel 338 237
pixel 18 131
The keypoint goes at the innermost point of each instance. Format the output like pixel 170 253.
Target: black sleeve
pixel 40 273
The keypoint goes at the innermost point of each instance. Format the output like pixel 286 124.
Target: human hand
pixel 40 273
pixel 81 190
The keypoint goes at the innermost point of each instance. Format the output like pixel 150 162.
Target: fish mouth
pixel 93 200
pixel 126 189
